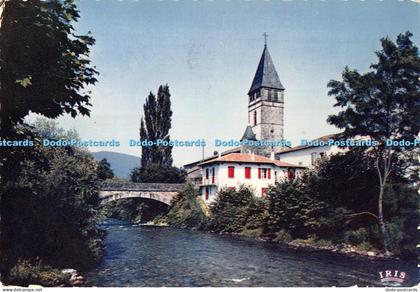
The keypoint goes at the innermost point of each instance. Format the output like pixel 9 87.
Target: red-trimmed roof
pixel 249 158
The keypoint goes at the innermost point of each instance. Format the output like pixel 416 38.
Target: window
pixel 270 94
pixel 264 192
pixel 276 95
pixel 231 171
pixel 207 173
pixel 264 173
pixel 291 174
pixel 207 193
pixel 212 175
pixel 247 172
pixel 314 157
pixel 255 118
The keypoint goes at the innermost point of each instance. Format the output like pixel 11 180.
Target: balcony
pixel 209 181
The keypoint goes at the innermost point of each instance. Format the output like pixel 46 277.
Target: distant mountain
pixel 121 163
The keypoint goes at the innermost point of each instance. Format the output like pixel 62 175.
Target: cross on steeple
pixel 265 38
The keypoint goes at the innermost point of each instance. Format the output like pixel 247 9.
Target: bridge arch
pixel 161 192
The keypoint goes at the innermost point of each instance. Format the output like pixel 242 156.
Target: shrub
pixel 356 237
pixel 365 246
pixel 25 273
pixel 253 233
pixel 234 211
pixel 282 236
pixel 401 202
pixel 186 210
pixel 291 209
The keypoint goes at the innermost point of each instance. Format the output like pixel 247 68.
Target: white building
pixel 308 155
pixel 236 169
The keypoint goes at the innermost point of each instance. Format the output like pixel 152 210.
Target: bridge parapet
pixel 156 191
pixel 129 186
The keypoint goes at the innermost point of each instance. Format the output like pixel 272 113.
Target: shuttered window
pixel 264 173
pixel 207 193
pixel 247 172
pixel 231 171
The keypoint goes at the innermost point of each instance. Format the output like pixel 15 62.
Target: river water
pixel 167 257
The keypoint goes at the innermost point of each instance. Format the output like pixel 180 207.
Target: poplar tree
pixel 154 126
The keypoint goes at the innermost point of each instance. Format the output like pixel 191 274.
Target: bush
pixel 234 211
pixel 253 233
pixel 282 236
pixel 365 246
pixel 186 210
pixel 401 203
pixel 356 237
pixel 291 209
pixel 25 273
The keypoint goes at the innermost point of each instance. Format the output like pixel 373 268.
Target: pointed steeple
pixel 249 134
pixel 266 75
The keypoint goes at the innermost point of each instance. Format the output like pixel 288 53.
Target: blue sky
pixel 208 51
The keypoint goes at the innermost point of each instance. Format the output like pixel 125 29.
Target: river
pixel 163 256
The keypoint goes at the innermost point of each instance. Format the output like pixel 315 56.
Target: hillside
pixel 121 163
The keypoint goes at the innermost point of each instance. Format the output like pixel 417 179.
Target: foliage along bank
pixel 56 226
pixel 331 207
pixel 48 196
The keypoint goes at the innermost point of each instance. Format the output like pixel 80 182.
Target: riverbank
pixel 343 248
pixel 149 256
pixel 310 244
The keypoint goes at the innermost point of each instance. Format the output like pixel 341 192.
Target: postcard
pixel 216 144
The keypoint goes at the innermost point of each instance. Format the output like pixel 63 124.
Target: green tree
pixel 155 173
pixel 45 65
pixel 292 209
pixel 382 104
pixel 45 68
pixel 236 211
pixel 186 210
pixel 56 194
pixel 104 170
pixel 50 129
pixel 347 180
pixel 154 126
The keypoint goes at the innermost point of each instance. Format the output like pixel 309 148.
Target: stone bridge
pixel 161 192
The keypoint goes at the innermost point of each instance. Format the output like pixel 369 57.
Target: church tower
pixel 266 101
